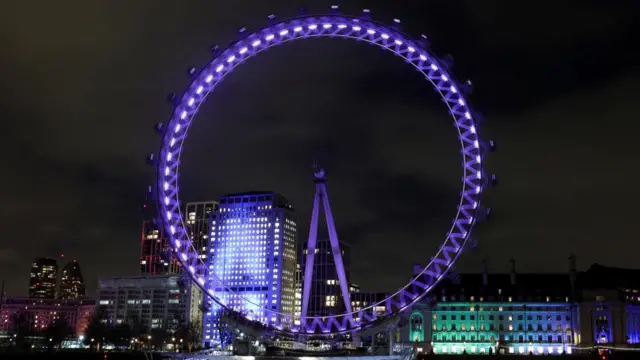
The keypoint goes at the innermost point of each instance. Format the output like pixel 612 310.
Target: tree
pixel 190 334
pixel 158 337
pixel 119 335
pixel 96 332
pixel 225 333
pixel 57 332
pixel 21 329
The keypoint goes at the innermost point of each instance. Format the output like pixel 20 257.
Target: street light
pixel 149 337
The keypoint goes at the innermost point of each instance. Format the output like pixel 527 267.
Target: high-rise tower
pixel 156 255
pixel 253 253
pixel 71 282
pixel 325 297
pixel 43 278
pixel 197 221
pixel 318 250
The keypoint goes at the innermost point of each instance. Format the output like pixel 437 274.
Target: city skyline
pixel 549 104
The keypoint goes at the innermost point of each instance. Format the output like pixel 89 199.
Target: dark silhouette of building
pixel 71 282
pixel 326 296
pixel 43 278
pixel 197 221
pixel 156 255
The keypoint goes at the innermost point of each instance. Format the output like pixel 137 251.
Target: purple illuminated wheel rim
pixel 303 28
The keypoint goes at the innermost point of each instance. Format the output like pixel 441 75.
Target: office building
pixel 154 302
pixel 326 295
pixel 609 300
pixel 43 278
pixel 39 314
pixel 197 222
pixel 156 256
pixel 297 296
pixel 361 300
pixel 253 255
pixel 71 282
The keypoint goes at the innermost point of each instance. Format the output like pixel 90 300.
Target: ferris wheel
pixel 358 28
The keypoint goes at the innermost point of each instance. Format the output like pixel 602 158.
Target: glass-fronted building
pixel 71 282
pixel 43 278
pixel 252 259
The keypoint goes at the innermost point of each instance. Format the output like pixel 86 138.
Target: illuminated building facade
pixel 609 306
pixel 253 254
pixel 198 223
pixel 43 278
pixel 360 300
pixel 326 295
pixel 40 314
pixel 155 302
pixel 71 282
pixel 297 298
pixel 499 313
pixel 323 261
pixel 156 256
pixel 529 313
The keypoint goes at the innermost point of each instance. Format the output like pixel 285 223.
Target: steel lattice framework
pixel 361 29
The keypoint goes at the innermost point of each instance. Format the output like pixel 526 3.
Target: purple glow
pixel 322 195
pixel 330 26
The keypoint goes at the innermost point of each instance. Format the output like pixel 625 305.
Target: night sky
pixel 83 83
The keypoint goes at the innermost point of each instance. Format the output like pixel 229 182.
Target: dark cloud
pixel 84 82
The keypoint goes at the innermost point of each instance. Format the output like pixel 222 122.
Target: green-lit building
pixel 536 314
